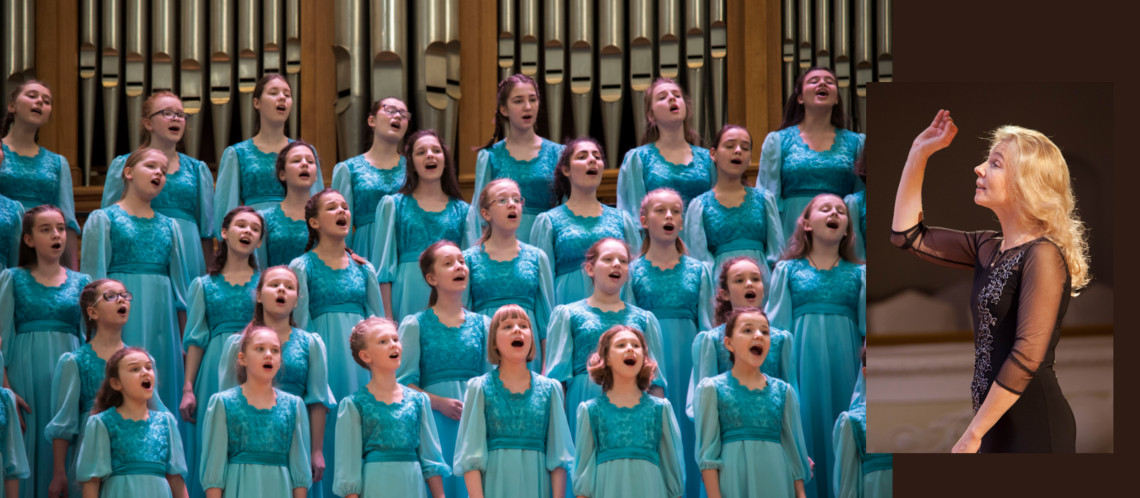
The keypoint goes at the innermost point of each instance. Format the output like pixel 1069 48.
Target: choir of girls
pixel 700 339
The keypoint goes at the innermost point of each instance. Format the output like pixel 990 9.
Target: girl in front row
pixel 513 441
pixel 749 438
pixel 256 437
pixel 628 442
pixel 128 448
pixel 388 445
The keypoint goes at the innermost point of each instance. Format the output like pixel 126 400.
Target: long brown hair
pixel 651 132
pixel 450 180
pixel 599 369
pixel 87 298
pixel 258 308
pixel 10 117
pixel 218 261
pixel 282 159
pixel 561 184
pixel 485 203
pixel 133 160
pixel 724 305
pixel 794 110
pixel 108 396
pixel 246 336
pixel 427 263
pixel 500 121
pixel 259 89
pixel 720 136
pixel 800 243
pixel 312 209
pixel 644 211
pixel 370 133
pixel 730 325
pixel 27 255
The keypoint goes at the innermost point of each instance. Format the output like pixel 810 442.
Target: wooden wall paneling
pixel 478 21
pixel 318 81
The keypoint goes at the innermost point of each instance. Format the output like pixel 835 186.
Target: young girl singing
pixel 286 232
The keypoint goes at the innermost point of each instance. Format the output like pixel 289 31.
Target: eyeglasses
pixel 112 296
pixel 503 201
pixel 394 111
pixel 169 114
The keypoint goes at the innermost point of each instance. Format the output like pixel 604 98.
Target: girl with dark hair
pixel 11 219
pixel 188 197
pixel 819 295
pixel 733 219
pixel 131 242
pixel 670 155
pixel 678 290
pixel 514 441
pixel 245 171
pixel 32 174
pixel 565 232
pixel 13 457
pixel 387 441
pixel 628 443
pixel 500 257
pixel 257 436
pixel 105 305
pixel 128 447
pixel 749 438
pixel 219 306
pixel 444 347
pixel 518 153
pixel 575 327
pixel 286 232
pixel 427 209
pixel 39 321
pixel 812 152
pixel 365 179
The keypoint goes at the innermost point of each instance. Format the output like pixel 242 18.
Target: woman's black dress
pixel 1018 300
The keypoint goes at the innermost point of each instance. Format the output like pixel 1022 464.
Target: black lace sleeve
pixel 942 246
pixel 1043 292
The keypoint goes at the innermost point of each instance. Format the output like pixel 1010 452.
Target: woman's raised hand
pixel 937 136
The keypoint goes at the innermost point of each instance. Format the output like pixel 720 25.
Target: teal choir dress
pixel 217 310
pixel 535 178
pixel 131 457
pixel 404 231
pixel 13 458
pixel 248 177
pixel 574 332
pixel 752 437
pixel 525 280
pixel 859 474
pixel 386 449
pixel 714 233
pixel 283 238
pixel 565 237
pixel 644 170
pixel 44 178
pixel 363 185
pixel 795 173
pixel 250 452
pixel 710 358
pixel 11 224
pixel 38 324
pixel 681 298
pixel 145 255
pixel 187 198
pixel 75 383
pixel 623 452
pixel 857 211
pixel 825 310
pixel 514 439
pixel 440 360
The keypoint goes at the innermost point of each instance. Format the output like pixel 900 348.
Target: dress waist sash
pixel 516 443
pixel 391 456
pixel 261 458
pixel 140 468
pixel 48 325
pixel 751 434
pixel 740 245
pixel 226 327
pixel 823 309
pixel 338 308
pixel 137 268
pixel 177 212
pixel 873 462
pixel 628 453
pixel 683 313
pixel 258 199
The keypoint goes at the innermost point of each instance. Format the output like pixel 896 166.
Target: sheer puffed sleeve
pixel 473 225
pixel 942 246
pixel 559 444
pixel 66 200
pixel 657 350
pixel 227 363
pixel 65 391
pixel 777 239
pixel 585 456
pixel 560 346
pixel 1043 292
pixel 471 442
pixel 429 451
pixel 771 161
pixel 348 475
pixel 96 245
pixel 409 371
pixel 176 458
pixel 704 355
pixel 542 237
pixel 113 185
pixel 631 183
pixel 15 457
pixel 544 302
pixel 705 308
pixel 227 194
pixel 215 446
pixel 197 328
pixel 792 438
pixel 301 313
pixel 300 467
pixel 205 198
pixel 384 246
pixel 707 411
pixel 342 182
pixel 7 311
pixel 672 466
pixel 693 231
pixel 318 391
pixel 94 458
pixel 373 304
pixel 847 475
pixel 780 306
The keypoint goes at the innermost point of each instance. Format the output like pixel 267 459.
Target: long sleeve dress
pixel 44 178
pixel 1019 298
pixel 825 310
pixel 857 473
pixel 440 360
pixel 526 281
pixel 131 457
pixel 574 332
pixel 681 298
pixel 13 458
pixel 283 238
pixel 363 185
pixel 247 177
pixel 75 384
pixel 710 358
pixel 38 324
pixel 644 170
pixel 857 211
pixel 404 231
pixel 251 452
pixel 795 173
pixel 622 452
pixel 187 198
pixel 753 438
pixel 535 178
pixel 514 439
pixel 386 449
pixel 216 311
pixel 714 233
pixel 145 255
pixel 11 224
pixel 565 237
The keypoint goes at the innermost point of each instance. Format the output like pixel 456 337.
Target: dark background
pixel 1014 42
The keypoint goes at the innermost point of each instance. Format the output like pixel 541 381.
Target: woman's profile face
pixel 992 186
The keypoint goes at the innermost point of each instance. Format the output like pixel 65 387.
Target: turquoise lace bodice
pixel 689 180
pixel 335 290
pixel 723 225
pixel 137 441
pixel 633 432
pixel 251 430
pixel 535 177
pixel 574 234
pixel 488 276
pixel 31 180
pixel 91 370
pixel 805 172
pixel 747 414
pixel 179 197
pixel 293 377
pixel 417 229
pixel 228 307
pixel 258 174
pixel 370 184
pixel 834 291
pixel 588 323
pixel 139 242
pixel 390 428
pixel 284 237
pixel 668 293
pixel 39 307
pixel 771 366
pixel 450 353
pixel 517 420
